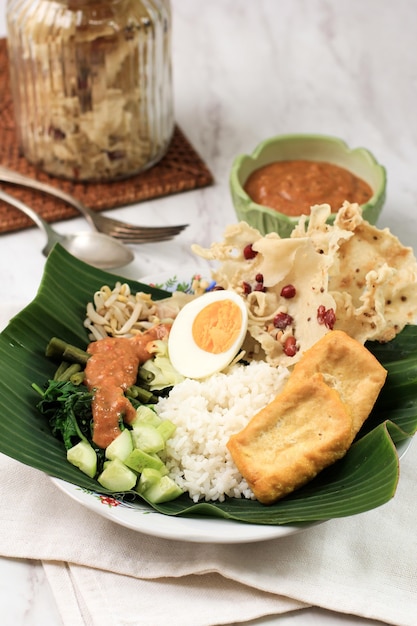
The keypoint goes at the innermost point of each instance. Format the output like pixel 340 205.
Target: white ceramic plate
pixel 197 529
pixel 192 529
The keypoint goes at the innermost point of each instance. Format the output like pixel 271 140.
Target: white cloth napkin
pixel 104 574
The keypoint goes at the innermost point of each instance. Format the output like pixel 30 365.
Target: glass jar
pixel 91 84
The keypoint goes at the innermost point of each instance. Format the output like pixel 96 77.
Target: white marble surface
pixel 246 70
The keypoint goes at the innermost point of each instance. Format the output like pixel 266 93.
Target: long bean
pixel 62 367
pixel 77 378
pixel 66 373
pixel 140 394
pixel 60 349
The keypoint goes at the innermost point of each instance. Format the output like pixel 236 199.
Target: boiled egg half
pixel 208 333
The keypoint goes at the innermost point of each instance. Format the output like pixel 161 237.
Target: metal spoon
pixel 91 247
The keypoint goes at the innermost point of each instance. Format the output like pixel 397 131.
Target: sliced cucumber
pixel 116 476
pixel 138 460
pixel 148 479
pixel 83 456
pixel 121 447
pixel 166 428
pixel 163 491
pixel 147 438
pixel 146 415
pixel 157 489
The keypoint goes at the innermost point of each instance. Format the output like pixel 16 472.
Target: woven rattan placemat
pixel 181 169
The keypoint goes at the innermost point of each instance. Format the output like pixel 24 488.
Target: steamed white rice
pixel 206 413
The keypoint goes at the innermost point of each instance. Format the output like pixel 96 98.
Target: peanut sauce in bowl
pixel 286 175
pixel 293 187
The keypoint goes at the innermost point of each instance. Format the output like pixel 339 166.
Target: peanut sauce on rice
pixel 292 187
pixel 111 369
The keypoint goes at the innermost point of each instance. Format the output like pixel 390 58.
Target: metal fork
pixel 115 228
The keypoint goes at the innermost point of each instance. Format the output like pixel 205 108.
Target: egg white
pixel 185 355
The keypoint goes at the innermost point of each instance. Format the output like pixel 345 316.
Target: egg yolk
pixel 217 326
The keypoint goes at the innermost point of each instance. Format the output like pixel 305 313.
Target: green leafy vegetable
pixel 68 410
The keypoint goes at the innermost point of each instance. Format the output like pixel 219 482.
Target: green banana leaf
pixel 364 479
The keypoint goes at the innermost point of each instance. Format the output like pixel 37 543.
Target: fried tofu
pixel 306 428
pixel 349 368
pixel 313 421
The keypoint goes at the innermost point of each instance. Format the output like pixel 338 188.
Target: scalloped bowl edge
pixel 360 161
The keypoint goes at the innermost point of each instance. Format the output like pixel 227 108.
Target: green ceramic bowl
pixel 359 161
